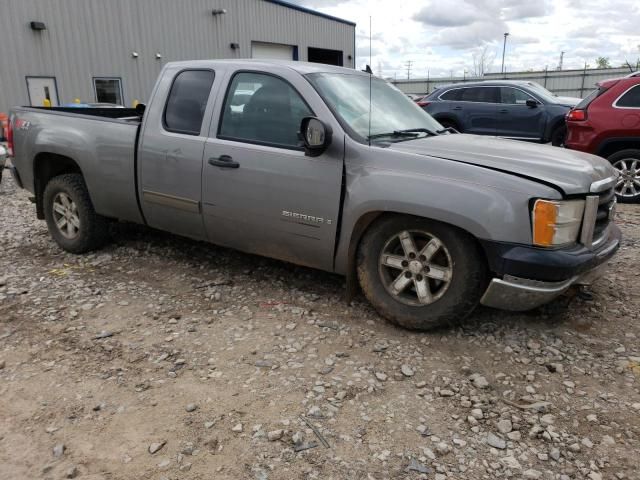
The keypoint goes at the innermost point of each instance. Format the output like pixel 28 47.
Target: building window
pixel 108 90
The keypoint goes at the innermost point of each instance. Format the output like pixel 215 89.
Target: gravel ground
pixel 164 358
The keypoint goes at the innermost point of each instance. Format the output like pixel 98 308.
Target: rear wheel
pixel 449 124
pixel 421 274
pixel 72 221
pixel 627 163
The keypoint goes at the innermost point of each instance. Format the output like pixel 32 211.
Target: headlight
pixel 556 222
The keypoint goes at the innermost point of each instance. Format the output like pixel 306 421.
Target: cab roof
pixel 303 68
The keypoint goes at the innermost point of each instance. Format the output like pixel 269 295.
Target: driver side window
pixel 262 109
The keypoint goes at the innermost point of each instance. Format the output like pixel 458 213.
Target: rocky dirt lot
pixel 164 358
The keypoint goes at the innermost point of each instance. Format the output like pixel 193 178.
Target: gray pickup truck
pixel 333 169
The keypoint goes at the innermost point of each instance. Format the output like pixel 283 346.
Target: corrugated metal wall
pixel 568 83
pixel 96 38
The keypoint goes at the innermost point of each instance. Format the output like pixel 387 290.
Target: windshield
pixel 540 90
pixel 392 112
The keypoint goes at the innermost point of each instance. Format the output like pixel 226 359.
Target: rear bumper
pixel 530 277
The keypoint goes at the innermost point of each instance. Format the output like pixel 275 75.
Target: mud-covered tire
pixel 468 272
pixel 90 230
pixel 627 163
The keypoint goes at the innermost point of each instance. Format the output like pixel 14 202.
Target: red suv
pixel 607 123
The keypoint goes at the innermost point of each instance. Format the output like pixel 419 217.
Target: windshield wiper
pixel 417 130
pixel 409 132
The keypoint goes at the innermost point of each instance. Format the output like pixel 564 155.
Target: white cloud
pixel 441 37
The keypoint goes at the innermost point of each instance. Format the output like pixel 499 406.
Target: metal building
pixel 112 50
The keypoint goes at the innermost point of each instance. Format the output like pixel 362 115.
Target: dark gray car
pixel 512 109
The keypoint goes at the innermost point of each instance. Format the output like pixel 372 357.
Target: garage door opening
pixel 323 55
pixel 273 51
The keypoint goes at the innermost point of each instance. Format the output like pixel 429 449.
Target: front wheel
pixel 72 221
pixel 421 274
pixel 627 163
pixel 558 136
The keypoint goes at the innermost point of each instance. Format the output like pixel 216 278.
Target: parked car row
pixel 507 108
pixel 605 123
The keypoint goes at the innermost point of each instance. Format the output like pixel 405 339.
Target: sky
pixel 443 37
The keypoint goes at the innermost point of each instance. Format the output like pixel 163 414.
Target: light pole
pixel 504 47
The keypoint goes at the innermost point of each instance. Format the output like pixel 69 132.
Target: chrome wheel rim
pixel 415 267
pixel 65 216
pixel 628 184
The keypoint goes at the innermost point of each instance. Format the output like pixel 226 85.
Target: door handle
pixel 224 161
pixel 457 108
pixel 504 110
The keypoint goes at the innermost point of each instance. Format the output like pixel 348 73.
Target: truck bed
pixel 101 141
pixel 126 114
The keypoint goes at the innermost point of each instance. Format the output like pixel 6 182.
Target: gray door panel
pixel 170 160
pixel 276 201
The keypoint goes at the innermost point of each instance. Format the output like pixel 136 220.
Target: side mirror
pixel 531 103
pixel 315 135
pixel 140 108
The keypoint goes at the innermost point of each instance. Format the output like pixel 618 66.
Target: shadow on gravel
pixel 193 253
pixel 147 240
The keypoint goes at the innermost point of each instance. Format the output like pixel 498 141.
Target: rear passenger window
pixel 451 95
pixel 187 101
pixel 263 109
pixel 480 94
pixel 631 99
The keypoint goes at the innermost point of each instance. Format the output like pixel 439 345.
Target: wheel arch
pixel 364 223
pixel 613 145
pixel 448 118
pixel 554 124
pixel 47 165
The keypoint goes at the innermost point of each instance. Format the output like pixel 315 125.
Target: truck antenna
pixel 370 80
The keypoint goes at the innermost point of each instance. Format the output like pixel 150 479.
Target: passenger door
pixel 170 152
pixel 261 193
pixel 516 119
pixel 477 108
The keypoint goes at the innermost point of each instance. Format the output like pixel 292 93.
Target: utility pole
pixel 561 59
pixel 408 64
pixel 504 48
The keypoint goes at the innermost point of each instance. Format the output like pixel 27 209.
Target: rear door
pixel 261 193
pixel 171 148
pixel 518 120
pixel 477 109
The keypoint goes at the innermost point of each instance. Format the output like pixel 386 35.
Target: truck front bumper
pixel 529 277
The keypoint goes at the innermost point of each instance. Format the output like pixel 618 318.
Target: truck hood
pixel 570 171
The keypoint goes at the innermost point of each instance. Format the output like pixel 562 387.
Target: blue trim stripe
pixel 308 10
